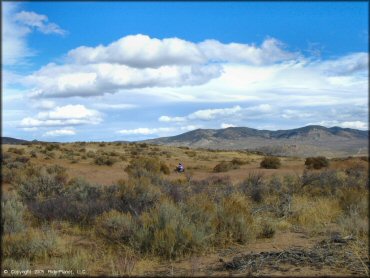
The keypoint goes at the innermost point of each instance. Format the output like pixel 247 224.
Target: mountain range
pixel 305 141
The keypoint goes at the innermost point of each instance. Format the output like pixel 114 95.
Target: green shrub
pixel 12 215
pixel 116 226
pixel 141 166
pixel 104 160
pixel 167 232
pixel 42 185
pixel 138 195
pixel 235 221
pixel 316 162
pixel 270 162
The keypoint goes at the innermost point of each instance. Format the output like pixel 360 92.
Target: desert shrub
pixel 31 244
pixel 238 161
pixel 141 166
pixel 235 221
pixel 42 185
pixel 223 166
pixel 22 159
pixel 164 168
pixel 325 182
pixel 357 176
pixel 8 175
pixel 102 145
pixel 316 162
pixel 33 154
pixel 116 226
pixel 352 199
pixel 191 153
pixel 314 214
pixel 354 224
pixel 202 211
pixel 12 211
pixel 104 160
pixel 137 196
pixel 217 187
pixel 80 202
pixel 143 145
pixel 270 162
pixel 16 151
pixel 167 232
pixel 254 187
pixel 268 231
pixel 90 154
pixel 176 191
pixel 51 147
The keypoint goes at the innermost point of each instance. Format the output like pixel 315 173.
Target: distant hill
pixel 13 141
pixel 304 141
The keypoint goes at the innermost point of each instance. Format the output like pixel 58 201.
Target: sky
pixel 107 71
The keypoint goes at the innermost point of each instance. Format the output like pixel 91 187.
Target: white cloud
pixel 204 115
pixel 346 124
pixel 141 51
pixel 59 132
pixel 295 114
pixel 158 131
pixel 118 106
pixel 270 51
pixel 138 61
pixel 63 116
pixel 16 27
pixel 225 125
pixel 44 104
pixel 349 64
pixel 38 21
pixel 97 79
pixel 145 131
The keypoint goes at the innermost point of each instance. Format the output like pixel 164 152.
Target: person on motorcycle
pixel 180 168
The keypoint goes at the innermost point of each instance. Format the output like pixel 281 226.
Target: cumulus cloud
pixel 271 51
pixel 138 61
pixel 59 132
pixel 141 51
pixel 97 79
pixel 16 27
pixel 63 116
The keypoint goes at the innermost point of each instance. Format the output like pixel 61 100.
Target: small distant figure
pixel 180 168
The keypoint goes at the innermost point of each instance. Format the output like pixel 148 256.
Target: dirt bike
pixel 179 170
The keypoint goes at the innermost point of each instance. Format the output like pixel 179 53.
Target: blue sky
pixel 129 71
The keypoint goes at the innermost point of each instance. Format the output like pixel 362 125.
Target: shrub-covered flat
pixel 122 209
